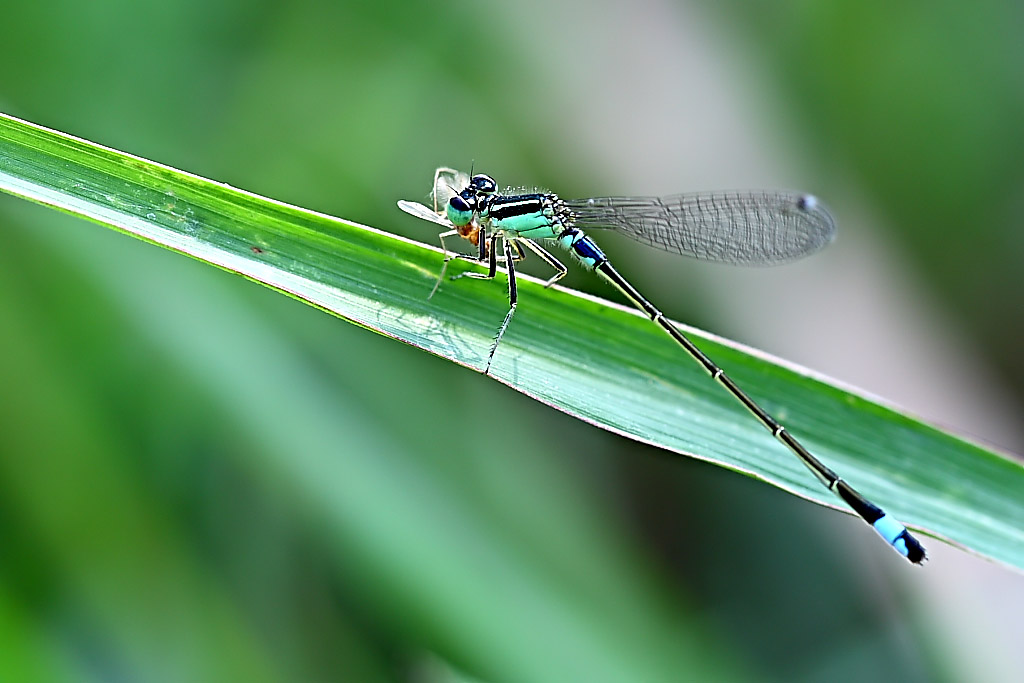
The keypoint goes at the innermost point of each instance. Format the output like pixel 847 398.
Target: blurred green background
pixel 201 479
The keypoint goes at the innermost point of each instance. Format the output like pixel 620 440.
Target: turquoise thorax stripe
pixel 533 226
pixel 522 216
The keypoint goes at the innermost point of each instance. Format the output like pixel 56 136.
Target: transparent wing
pixel 750 228
pixel 424 212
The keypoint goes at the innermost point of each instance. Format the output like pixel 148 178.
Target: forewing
pixel 751 228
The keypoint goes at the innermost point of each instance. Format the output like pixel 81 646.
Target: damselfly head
pixel 461 208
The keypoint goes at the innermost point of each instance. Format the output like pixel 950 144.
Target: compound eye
pixel 460 212
pixel 484 184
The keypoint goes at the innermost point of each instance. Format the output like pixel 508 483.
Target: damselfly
pixel 756 228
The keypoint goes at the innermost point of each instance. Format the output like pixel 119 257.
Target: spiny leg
pixel 448 256
pixel 487 252
pixel 559 267
pixel 512 299
pixel 512 252
pixel 486 257
pixel 481 257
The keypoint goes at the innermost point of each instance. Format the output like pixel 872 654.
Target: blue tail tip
pixel 899 538
pixel 910 548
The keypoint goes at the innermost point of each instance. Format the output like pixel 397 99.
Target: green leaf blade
pixel 591 359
